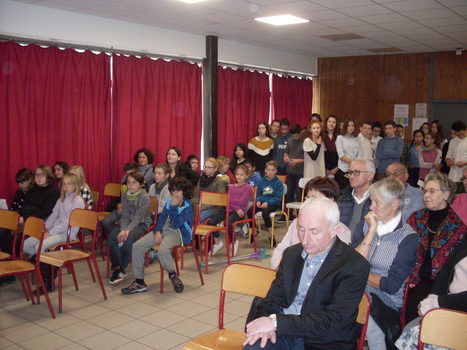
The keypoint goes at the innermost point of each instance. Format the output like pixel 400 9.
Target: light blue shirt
pixel 311 267
pixel 413 201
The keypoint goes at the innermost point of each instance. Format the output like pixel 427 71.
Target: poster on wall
pixel 420 110
pixel 401 114
pixel 417 123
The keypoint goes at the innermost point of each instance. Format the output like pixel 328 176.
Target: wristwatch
pixel 273 318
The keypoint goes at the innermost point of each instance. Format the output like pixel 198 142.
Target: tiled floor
pixel 142 321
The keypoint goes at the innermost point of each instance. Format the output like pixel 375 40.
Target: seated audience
pixel 268 196
pixel 260 147
pixel 348 149
pixel 449 292
pixel 313 301
pixel 389 149
pixel 192 169
pixel 389 244
pixel 354 202
pixel 429 158
pixel 60 168
pixel 85 190
pixel 239 156
pixel 174 227
pixel 133 224
pixel 56 225
pixel 413 199
pixel 224 169
pixel 440 230
pixel 173 158
pixel 144 159
pixel 254 177
pixel 315 188
pixel 460 203
pixel 160 187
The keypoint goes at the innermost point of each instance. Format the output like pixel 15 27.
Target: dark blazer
pixel 330 307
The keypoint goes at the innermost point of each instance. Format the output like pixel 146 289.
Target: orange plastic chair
pixel 85 219
pixel 443 327
pixel 9 220
pixel 33 227
pixel 237 278
pixel 282 211
pixel 206 231
pixel 362 318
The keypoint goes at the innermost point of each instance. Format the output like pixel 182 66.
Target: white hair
pixel 328 206
pixel 389 190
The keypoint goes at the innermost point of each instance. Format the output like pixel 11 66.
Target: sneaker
pixel 176 282
pixel 135 288
pixel 117 277
pixel 217 246
pixel 235 247
pixel 245 230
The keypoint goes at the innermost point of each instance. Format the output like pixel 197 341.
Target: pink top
pixel 460 206
pixel 239 197
pixel 427 160
pixel 291 238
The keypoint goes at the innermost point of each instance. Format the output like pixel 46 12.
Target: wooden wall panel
pixel 367 87
pixel 450 76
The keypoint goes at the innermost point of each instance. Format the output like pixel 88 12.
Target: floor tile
pixel 105 341
pixel 135 329
pixel 25 331
pixel 163 339
pixel 80 330
pixel 110 319
pixel 188 309
pixel 137 309
pixel 47 341
pixel 163 318
pixel 191 328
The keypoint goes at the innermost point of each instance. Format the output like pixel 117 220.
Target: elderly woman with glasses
pixel 389 245
pixel 440 230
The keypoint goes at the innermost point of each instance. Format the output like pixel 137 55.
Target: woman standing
pixel 313 151
pixel 348 149
pixel 260 147
pixel 440 230
pixel 430 157
pixel 330 154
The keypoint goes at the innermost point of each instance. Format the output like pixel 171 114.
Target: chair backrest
pixel 444 327
pixel 362 318
pixel 244 279
pixel 283 178
pixel 83 218
pixel 112 189
pixel 154 205
pixel 9 219
pixel 302 183
pixel 33 227
pixel 214 198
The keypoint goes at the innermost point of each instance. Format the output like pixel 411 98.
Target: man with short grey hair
pixel 354 202
pixel 413 200
pixel 313 302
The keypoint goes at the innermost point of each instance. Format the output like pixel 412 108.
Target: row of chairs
pixel 57 257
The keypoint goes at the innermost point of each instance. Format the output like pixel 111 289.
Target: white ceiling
pixel 408 25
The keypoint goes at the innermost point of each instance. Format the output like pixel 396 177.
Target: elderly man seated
pixel 413 200
pixel 389 244
pixel 313 302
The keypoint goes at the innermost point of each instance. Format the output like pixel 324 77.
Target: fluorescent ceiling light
pixel 191 1
pixel 281 20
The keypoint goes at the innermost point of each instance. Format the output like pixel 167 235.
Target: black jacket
pixel 330 307
pixel 346 203
pixel 39 202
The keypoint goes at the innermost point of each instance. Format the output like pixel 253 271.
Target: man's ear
pixel 334 231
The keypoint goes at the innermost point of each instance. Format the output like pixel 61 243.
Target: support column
pixel 210 97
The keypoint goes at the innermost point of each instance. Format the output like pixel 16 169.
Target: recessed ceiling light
pixel 281 20
pixel 191 1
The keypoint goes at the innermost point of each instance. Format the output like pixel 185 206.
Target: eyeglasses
pixel 349 173
pixel 39 175
pixel 430 190
pixel 395 173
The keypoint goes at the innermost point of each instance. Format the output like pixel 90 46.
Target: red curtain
pixel 243 101
pixel 157 105
pixel 54 106
pixel 292 99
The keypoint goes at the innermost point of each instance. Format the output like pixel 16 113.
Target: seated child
pixel 56 225
pixel 269 195
pixel 224 165
pixel 133 224
pixel 174 227
pixel 192 171
pixel 254 177
pixel 160 189
pixel 84 187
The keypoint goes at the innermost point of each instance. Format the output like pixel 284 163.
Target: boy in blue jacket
pixel 174 227
pixel 269 195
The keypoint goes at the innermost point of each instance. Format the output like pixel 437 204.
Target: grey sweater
pixel 135 212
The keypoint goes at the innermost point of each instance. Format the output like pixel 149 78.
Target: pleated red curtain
pixel 243 101
pixel 54 106
pixel 157 105
pixel 291 98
